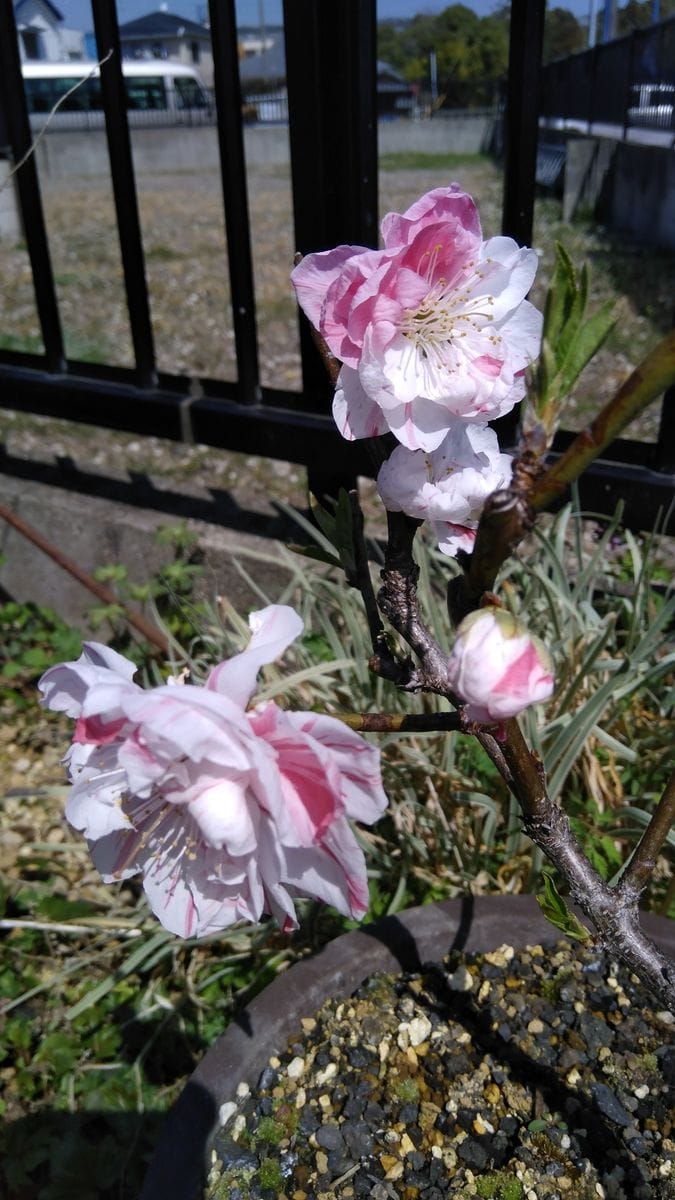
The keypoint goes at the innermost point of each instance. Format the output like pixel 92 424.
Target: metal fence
pixel 627 82
pixel 331 83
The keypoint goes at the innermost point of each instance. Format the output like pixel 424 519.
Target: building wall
pixel 35 17
pixel 176 50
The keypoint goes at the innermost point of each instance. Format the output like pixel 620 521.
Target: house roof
pixel 163 24
pixel 58 16
pixel 271 64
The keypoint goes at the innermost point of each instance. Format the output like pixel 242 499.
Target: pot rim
pixel 393 945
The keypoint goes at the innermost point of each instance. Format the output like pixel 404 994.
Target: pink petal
pixel 314 274
pixel 273 630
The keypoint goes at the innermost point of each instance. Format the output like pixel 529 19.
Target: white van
pixel 158 93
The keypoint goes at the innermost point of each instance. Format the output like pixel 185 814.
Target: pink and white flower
pixel 431 329
pixel 448 486
pixel 497 667
pixel 227 813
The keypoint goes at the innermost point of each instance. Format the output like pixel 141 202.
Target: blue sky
pixel 77 13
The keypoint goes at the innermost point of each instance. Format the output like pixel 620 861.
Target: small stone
pixel 536 1026
pixel 609 1104
pixel 296 1067
pixel 419 1029
pixel 328 1072
pixel 308 1024
pixel 243 1090
pixel 396 1171
pixel 461 980
pixel 641 1091
pixel 321 1160
pixel 226 1111
pixel 473 1154
pixel 330 1137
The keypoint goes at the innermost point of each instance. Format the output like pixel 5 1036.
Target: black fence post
pixel 521 134
pixel 124 189
pixel 19 137
pixel 331 79
pixel 227 93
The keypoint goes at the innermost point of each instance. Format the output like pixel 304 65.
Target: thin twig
pixel 641 866
pixel 56 927
pixel 400 722
pixel 133 618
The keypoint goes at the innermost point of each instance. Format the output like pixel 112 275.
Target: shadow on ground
pixel 77 1156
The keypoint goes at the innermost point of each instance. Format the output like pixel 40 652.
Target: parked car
pixel 655 105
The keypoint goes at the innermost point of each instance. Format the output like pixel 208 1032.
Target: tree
pixel 563 34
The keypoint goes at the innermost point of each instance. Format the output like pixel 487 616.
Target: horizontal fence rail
pixel 331 99
pixel 628 82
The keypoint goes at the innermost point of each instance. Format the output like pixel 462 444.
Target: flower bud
pixel 497 667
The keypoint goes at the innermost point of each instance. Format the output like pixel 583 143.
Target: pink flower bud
pixel 497 667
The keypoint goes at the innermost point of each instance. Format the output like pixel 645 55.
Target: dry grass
pixel 186 259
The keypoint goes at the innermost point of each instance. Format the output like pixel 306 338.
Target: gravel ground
pixel 535 1075
pixel 185 246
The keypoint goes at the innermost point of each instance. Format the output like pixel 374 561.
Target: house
pixel 161 34
pixel 42 37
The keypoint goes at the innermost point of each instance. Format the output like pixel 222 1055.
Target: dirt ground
pixel 186 259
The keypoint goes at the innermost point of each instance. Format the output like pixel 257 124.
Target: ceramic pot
pixel 402 943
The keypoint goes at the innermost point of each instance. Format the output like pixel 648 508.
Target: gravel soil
pixel 529 1075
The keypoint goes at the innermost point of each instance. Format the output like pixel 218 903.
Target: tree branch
pixel 399 602
pixel 505 519
pixel 639 870
pixel 401 722
pixel 652 377
pixel 614 913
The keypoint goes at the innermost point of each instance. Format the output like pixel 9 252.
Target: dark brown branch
pixel 614 914
pixel 400 722
pixel 641 866
pixel 505 519
pixel 130 615
pixel 399 602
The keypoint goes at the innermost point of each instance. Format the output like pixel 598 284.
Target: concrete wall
pixel 100 531
pixel 628 187
pixel 67 153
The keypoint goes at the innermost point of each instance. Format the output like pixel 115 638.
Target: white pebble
pixel 641 1091
pixel 226 1111
pixel 295 1067
pixel 419 1028
pixel 327 1073
pixel 243 1090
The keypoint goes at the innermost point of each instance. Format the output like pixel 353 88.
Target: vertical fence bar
pixel 20 138
pixel 331 78
pixel 124 189
pixel 227 90
pixel 521 121
pixel 521 134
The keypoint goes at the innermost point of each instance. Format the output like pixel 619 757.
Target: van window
pixel 43 94
pixel 145 93
pixel 189 94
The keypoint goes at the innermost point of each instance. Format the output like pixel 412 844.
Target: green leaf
pixel 587 341
pixel 560 295
pixel 556 911
pixel 317 553
pixel 56 908
pixel 344 532
pixel 104 612
pixel 114 573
